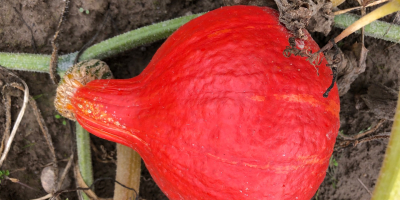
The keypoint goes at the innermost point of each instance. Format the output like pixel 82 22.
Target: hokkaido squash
pixel 220 112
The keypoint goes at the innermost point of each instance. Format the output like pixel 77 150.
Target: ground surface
pixel 30 154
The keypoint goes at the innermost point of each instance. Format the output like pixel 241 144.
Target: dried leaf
pixel 352 65
pixel 300 14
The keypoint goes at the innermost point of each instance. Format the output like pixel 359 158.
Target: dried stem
pixel 44 129
pixel 128 172
pixel 54 55
pixel 14 180
pixel 346 143
pixel 41 123
pixel 371 138
pixel 364 186
pixel 42 126
pixel 65 172
pixel 359 7
pixel 19 118
pixel 355 137
pixel 382 11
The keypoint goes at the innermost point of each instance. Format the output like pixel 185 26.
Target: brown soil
pixel 29 153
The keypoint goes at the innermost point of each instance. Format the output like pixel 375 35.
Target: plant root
pixel 355 140
pixel 355 137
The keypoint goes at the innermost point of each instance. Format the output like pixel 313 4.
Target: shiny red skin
pixel 220 113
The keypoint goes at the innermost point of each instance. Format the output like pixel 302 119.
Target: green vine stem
pixel 141 36
pixel 388 184
pixel 107 48
pixel 377 29
pixel 148 34
pixel 84 156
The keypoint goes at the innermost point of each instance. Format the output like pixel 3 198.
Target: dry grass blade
pixel 14 180
pixel 359 7
pixel 386 9
pixel 364 186
pixel 19 118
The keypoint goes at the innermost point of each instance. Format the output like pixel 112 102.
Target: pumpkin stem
pixel 76 77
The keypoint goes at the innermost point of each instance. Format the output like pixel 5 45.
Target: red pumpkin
pixel 221 113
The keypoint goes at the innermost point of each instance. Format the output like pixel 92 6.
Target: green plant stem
pixel 141 36
pixel 148 34
pixel 25 62
pixel 376 29
pixel 388 184
pixel 382 11
pixel 84 156
pixel 107 48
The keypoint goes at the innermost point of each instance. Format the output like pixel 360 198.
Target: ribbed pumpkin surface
pixel 220 113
